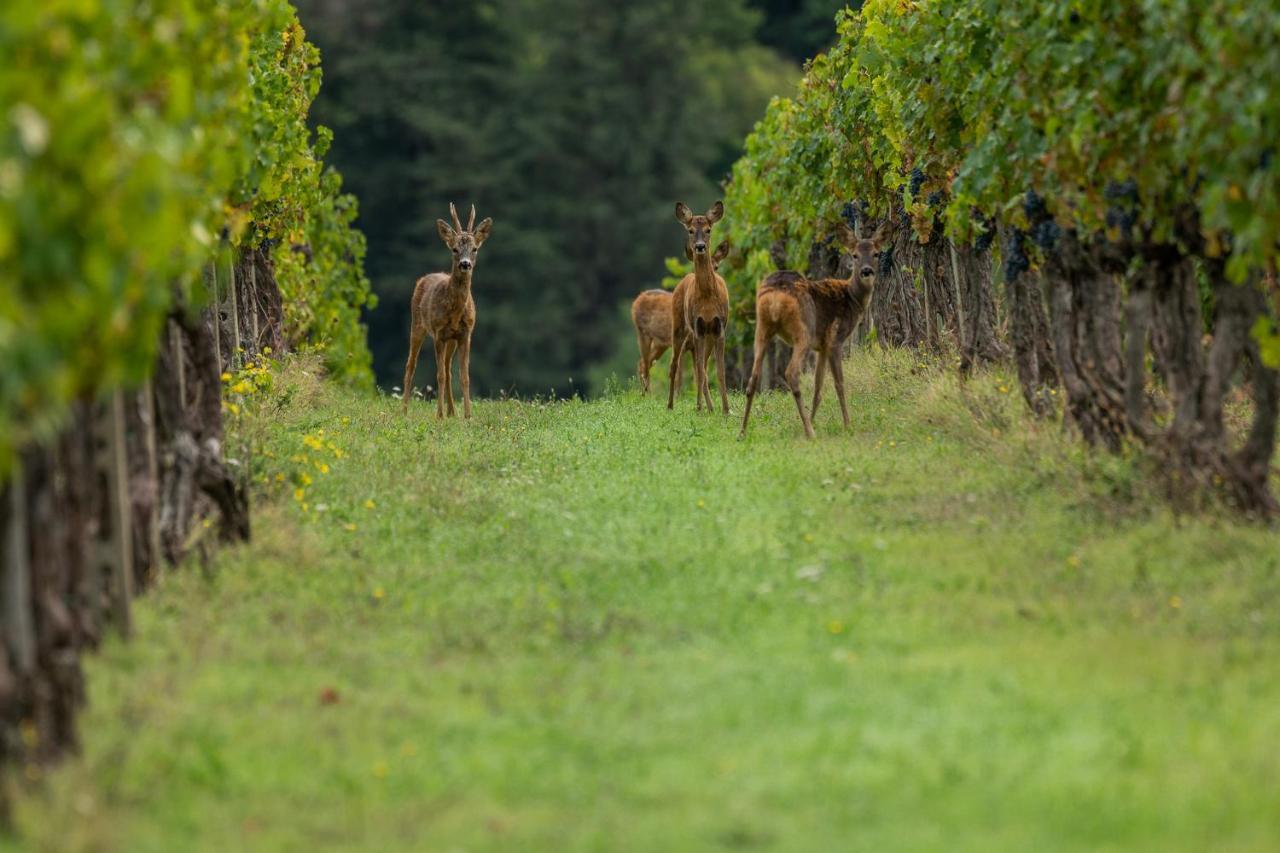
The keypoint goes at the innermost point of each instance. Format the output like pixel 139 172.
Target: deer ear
pixel 846 235
pixel 883 235
pixel 446 233
pixel 716 213
pixel 482 232
pixel 722 252
pixel 683 213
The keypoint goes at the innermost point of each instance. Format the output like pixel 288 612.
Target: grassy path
pixel 607 626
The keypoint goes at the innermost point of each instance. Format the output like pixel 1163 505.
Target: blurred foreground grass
pixel 607 626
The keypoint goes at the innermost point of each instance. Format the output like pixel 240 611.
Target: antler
pixel 457 225
pixel 471 223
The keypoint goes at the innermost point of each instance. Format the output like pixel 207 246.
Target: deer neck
pixel 858 293
pixel 460 279
pixel 704 275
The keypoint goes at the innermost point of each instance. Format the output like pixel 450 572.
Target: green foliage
pixel 799 28
pixel 130 137
pixel 117 145
pixel 288 197
pixel 934 632
pixel 1173 102
pixel 575 124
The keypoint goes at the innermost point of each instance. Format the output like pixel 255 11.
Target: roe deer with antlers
pixel 443 308
pixel 699 309
pixel 651 314
pixel 818 315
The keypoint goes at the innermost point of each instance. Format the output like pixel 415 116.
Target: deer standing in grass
pixel 651 314
pixel 443 308
pixel 818 315
pixel 699 309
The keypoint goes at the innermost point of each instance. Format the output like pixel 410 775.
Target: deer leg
pixel 700 355
pixel 724 388
pixel 449 350
pixel 819 374
pixel 415 346
pixel 798 352
pixel 441 378
pixel 464 374
pixel 642 366
pixel 837 378
pixel 677 352
pixel 707 349
pixel 680 368
pixel 753 384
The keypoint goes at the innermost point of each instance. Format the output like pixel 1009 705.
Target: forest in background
pixel 575 124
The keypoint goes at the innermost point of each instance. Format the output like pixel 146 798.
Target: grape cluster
pixel 1015 256
pixel 1045 231
pixel 1033 205
pixel 936 198
pixel 853 212
pixel 917 181
pixel 1046 234
pixel 1123 212
pixel 988 235
pixel 1121 191
pixel 886 260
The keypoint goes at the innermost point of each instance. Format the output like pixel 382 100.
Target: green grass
pixel 589 626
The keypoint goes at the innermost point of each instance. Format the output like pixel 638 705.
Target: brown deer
pixel 818 315
pixel 443 308
pixel 651 314
pixel 699 309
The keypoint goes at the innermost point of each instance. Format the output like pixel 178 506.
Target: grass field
pixel 606 626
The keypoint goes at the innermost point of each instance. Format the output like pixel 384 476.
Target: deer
pixel 443 308
pixel 815 314
pixel 699 309
pixel 651 314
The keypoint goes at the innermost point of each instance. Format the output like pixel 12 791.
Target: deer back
pixel 651 313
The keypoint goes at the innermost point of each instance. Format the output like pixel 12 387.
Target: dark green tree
pixel 576 124
pixel 800 28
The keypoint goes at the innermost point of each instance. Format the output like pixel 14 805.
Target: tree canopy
pixel 575 124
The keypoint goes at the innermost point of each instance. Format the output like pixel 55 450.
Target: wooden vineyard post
pixel 116 544
pixel 153 475
pixel 19 624
pixel 235 313
pixel 955 275
pixel 179 359
pixel 217 317
pixel 253 302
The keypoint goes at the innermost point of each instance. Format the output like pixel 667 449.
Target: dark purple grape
pixel 886 260
pixel 1046 235
pixel 1033 205
pixel 1121 191
pixel 917 181
pixel 1015 256
pixel 985 239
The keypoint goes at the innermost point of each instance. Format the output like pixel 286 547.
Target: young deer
pixel 699 309
pixel 651 314
pixel 443 308
pixel 818 315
